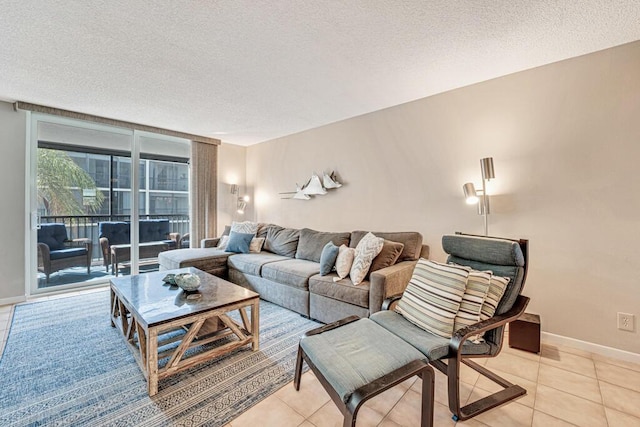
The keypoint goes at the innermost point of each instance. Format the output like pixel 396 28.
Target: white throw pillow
pixel 256 245
pixel 367 249
pixel 433 296
pixel 344 261
pixel 246 227
pixel 222 243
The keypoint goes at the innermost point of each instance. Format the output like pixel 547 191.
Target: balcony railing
pixel 86 226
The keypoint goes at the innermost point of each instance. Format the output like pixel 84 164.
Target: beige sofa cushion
pixel 282 241
pixel 291 272
pixel 312 242
pixel 252 263
pixel 342 290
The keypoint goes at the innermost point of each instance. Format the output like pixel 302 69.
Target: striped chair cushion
pixel 496 290
pixel 474 295
pixel 367 249
pixel 433 296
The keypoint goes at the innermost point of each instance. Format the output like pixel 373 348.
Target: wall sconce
pixel 234 189
pixel 473 196
pixel 242 204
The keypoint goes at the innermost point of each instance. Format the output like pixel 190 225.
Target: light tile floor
pixel 565 387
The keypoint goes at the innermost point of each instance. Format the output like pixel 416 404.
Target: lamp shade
pixel 486 165
pixel 470 194
pixel 241 206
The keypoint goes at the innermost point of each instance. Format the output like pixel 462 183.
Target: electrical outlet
pixel 626 321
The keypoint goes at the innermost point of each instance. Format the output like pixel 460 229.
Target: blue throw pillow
pixel 328 258
pixel 239 242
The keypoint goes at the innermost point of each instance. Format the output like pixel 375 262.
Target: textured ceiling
pixel 247 71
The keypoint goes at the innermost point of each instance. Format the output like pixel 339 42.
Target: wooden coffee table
pixel 150 314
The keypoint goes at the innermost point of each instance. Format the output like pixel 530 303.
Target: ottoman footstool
pixel 356 359
pixel 211 260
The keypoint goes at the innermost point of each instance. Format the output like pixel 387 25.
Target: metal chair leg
pixel 298 371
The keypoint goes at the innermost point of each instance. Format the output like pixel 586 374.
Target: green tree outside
pixel 58 175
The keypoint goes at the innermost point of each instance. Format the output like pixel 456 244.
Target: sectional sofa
pixel 287 269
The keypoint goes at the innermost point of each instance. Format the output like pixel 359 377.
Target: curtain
pixel 203 194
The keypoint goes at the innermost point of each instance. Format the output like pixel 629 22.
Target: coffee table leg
pixel 152 361
pixel 255 325
pixel 112 307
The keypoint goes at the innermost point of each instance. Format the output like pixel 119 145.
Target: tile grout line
pixel 396 404
pixel 604 408
pixel 536 395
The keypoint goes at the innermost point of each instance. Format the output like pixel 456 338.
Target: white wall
pixel 565 139
pixel 12 214
pixel 231 170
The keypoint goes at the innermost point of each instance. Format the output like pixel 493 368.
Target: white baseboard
pixel 12 300
pixel 549 338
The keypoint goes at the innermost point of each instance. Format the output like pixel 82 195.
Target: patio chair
pixel 504 257
pixel 56 252
pixel 154 235
pixel 184 241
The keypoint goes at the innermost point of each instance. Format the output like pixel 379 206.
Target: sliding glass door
pixel 104 201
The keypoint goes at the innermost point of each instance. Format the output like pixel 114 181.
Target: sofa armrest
pixel 175 237
pixel 83 241
pixel 424 252
pixel 44 255
pixel 210 242
pixel 388 281
pixel 106 254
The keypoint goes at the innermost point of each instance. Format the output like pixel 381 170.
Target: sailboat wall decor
pixel 330 181
pixel 314 187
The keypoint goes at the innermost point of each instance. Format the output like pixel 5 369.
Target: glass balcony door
pixel 71 201
pixel 104 201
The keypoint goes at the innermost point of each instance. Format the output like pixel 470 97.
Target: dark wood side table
pixel 524 333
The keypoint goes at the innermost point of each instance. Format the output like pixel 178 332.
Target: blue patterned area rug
pixel 64 364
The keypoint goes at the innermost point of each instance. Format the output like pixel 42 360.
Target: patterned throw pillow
pixel 433 296
pixel 496 291
pixel 246 227
pixel 256 245
pixel 222 243
pixel 344 261
pixel 474 295
pixel 368 248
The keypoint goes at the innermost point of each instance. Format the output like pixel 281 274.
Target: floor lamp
pixel 481 197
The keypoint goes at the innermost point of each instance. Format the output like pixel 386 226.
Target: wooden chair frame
pixel 350 408
pixel 451 368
